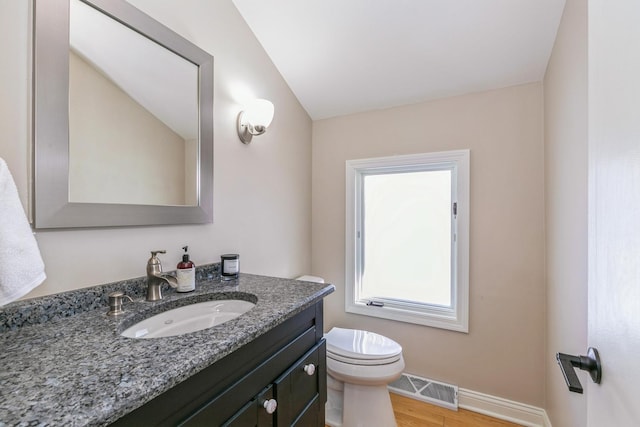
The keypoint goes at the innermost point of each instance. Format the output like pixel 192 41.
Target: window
pixel 407 238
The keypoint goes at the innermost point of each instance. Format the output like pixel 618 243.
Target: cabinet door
pixel 254 413
pixel 245 417
pixel 301 390
pixel 313 415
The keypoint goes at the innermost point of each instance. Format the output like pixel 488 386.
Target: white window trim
pixel 454 318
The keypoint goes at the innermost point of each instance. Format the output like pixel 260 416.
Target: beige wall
pixel 503 353
pixel 14 83
pixel 261 191
pixel 191 173
pixel 565 93
pixel 133 142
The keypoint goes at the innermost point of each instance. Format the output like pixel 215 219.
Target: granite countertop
pixel 78 370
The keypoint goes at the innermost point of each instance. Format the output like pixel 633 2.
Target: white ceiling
pixel 347 56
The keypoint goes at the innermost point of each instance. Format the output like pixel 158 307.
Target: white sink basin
pixel 189 318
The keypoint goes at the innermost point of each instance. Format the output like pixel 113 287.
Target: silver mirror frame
pixel 52 208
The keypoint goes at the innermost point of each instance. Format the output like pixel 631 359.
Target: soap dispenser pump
pixel 186 273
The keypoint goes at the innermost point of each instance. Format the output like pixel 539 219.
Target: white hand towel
pixel 21 266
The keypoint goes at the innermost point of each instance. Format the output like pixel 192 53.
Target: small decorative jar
pixel 229 266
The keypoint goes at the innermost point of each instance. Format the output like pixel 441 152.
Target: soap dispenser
pixel 186 273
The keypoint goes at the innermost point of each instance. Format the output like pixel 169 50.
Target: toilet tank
pixel 314 279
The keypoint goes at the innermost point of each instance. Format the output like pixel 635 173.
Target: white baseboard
pixel 503 409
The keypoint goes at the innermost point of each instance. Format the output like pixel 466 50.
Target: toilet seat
pixel 358 347
pixel 365 374
pixel 363 362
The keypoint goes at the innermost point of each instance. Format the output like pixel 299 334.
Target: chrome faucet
pixel 155 277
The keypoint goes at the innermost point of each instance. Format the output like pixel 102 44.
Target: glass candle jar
pixel 229 266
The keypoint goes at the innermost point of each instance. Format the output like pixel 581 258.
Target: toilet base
pixel 333 407
pixel 359 406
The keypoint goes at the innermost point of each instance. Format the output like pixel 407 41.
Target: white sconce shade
pixel 259 112
pixel 255 119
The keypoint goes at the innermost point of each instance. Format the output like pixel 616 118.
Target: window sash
pixel 360 238
pixel 453 317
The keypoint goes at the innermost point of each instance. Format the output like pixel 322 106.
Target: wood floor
pixel 413 413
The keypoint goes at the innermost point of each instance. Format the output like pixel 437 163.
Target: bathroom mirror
pixel 123 119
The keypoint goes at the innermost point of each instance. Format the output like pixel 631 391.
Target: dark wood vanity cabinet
pixel 296 393
pixel 286 364
pixel 298 390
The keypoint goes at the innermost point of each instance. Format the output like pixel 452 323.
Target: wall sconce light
pixel 254 119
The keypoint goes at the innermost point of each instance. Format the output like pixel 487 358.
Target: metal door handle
pixel 590 362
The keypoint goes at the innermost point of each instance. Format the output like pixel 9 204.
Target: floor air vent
pixel 441 394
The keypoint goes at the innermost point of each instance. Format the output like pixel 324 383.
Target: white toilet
pixel 360 364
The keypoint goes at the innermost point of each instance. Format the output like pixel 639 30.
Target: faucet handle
pixel 154 260
pixel 154 266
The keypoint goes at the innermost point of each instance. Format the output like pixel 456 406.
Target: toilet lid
pixel 361 345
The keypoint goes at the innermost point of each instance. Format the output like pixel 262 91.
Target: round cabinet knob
pixel 270 406
pixel 310 369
